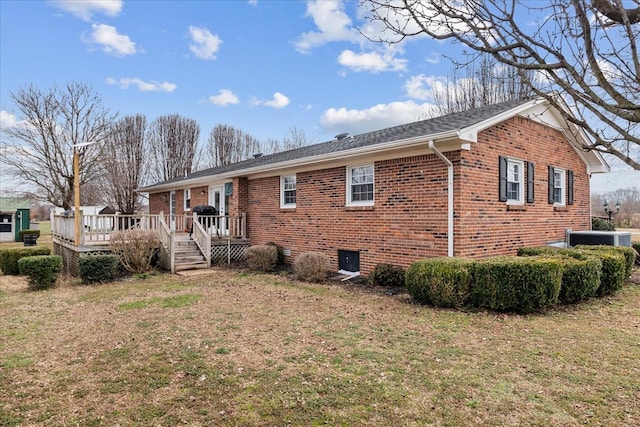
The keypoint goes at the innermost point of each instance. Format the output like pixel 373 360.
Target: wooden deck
pixel 217 237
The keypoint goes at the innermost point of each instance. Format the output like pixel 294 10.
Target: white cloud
pixel 152 86
pixel 204 44
pixel 372 61
pixel 253 2
pixel 279 101
pixel 377 117
pixel 332 22
pixel 224 97
pixel 85 9
pixel 423 87
pixel 111 42
pixel 7 120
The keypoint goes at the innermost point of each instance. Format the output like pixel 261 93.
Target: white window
pixel 187 199
pixel 288 191
pixel 559 179
pixel 515 181
pixel 360 185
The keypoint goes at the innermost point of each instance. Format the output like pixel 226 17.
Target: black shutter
pixel 530 182
pixel 551 184
pixel 502 186
pixel 569 187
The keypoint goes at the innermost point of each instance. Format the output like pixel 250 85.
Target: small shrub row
pixel 614 263
pixel 9 258
pixel 98 269
pixel 600 224
pixel 522 285
pixel 629 254
pixel 42 271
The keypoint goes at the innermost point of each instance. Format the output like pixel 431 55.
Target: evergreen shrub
pixel 628 253
pixel 98 269
pixel 9 258
pixel 441 282
pixel 42 271
pixel 385 274
pixel 518 284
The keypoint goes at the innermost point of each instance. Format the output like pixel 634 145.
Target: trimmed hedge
pixel 42 271
pixel 441 282
pixel 9 258
pixel 21 234
pixel 98 269
pixel 385 274
pixel 580 279
pixel 581 272
pixel 519 284
pixel 629 254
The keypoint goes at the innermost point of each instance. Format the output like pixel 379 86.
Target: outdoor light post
pixel 76 187
pixel 609 210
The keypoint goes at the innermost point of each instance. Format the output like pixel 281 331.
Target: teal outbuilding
pixel 14 217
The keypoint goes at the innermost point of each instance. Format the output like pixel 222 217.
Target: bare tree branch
pixel 39 149
pixel 584 50
pixel 172 143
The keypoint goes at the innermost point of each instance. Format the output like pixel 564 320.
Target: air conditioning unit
pixel 611 238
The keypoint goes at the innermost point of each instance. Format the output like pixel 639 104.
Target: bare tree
pixel 39 149
pixel 125 166
pixel 489 83
pixel 172 143
pixel 586 50
pixel 227 145
pixel 296 138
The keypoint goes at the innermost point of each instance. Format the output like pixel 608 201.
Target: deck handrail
pixel 202 239
pixel 167 237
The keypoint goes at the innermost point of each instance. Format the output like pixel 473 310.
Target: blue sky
pixel 262 66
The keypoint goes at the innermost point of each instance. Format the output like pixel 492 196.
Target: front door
pixel 218 200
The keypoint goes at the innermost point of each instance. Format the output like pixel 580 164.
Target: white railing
pixel 202 238
pixel 167 237
pixel 97 228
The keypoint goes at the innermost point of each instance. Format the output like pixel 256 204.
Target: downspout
pixel 433 148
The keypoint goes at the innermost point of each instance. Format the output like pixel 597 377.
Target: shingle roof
pixel 13 203
pixel 449 122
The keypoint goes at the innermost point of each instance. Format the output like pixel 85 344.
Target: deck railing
pixel 96 229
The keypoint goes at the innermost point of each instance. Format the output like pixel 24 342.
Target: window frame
pixel 561 186
pixel 521 181
pixel 187 199
pixel 350 185
pixel 283 190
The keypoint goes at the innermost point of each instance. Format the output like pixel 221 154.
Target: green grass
pixel 228 350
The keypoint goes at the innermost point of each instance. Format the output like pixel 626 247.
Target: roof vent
pixel 342 135
pixel 255 156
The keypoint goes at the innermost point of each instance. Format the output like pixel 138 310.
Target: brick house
pixel 474 184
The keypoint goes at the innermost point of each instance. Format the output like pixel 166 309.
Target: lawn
pixel 231 348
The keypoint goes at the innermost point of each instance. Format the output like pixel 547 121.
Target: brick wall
pixel 407 222
pixel 483 225
pixel 409 219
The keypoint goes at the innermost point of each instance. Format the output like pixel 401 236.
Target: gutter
pixel 438 153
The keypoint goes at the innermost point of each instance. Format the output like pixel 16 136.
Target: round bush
pixel 42 271
pixel 386 275
pixel 441 282
pixel 262 258
pixel 311 266
pixel 9 258
pixel 98 269
pixel 518 284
